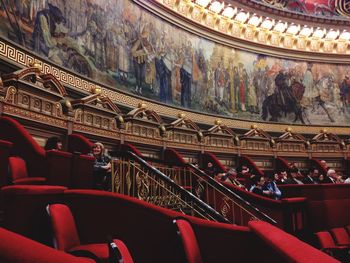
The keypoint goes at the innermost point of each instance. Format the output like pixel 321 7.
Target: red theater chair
pixel 19 174
pixel 66 235
pixel 327 244
pixel 189 241
pixel 341 236
pixel 15 248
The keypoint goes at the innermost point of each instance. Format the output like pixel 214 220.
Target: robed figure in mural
pixel 142 52
pixel 186 79
pixel 47 27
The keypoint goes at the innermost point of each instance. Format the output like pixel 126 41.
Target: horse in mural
pixel 274 106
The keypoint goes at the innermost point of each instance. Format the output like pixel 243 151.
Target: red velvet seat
pixel 66 236
pixel 341 236
pixel 15 248
pixel 326 242
pixel 189 241
pixel 19 175
pixel 348 229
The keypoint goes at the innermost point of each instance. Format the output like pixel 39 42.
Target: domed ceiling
pixel 325 8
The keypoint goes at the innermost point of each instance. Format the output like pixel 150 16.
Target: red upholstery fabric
pixel 63 225
pixel 144 227
pixel 24 209
pixel 18 168
pixel 189 241
pixel 325 240
pixel 15 248
pixel 79 143
pixel 30 180
pixel 66 235
pixel 285 212
pixel 82 171
pixel 210 157
pixel 131 148
pixel 23 146
pixel 18 172
pixel 348 229
pixel 245 160
pixel 340 236
pixel 171 155
pixel 102 252
pixel 5 148
pixel 59 167
pixel 291 248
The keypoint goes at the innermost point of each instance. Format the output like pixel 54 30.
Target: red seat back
pixel 189 241
pixel 325 240
pixel 18 168
pixel 340 236
pixel 63 226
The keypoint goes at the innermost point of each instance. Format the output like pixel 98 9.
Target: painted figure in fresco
pixel 232 92
pixel 141 51
pixel 345 91
pixel 220 81
pixel 47 23
pixel 285 100
pixel 186 79
pixel 310 89
pixel 163 71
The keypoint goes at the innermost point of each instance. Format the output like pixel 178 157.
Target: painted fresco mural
pixel 326 8
pixel 117 43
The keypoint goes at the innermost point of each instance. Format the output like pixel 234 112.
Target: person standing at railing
pixel 102 167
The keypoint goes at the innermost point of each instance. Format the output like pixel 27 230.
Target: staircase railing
pixel 133 176
pixel 228 203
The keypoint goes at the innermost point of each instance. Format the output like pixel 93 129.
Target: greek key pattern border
pixel 24 59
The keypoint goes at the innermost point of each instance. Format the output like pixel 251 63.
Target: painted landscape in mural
pixel 117 43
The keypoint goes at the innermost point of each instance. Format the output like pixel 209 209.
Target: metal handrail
pixel 229 193
pixel 186 194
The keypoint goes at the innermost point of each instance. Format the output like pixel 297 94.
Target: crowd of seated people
pixel 267 185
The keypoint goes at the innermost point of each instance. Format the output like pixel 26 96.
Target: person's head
pixel 53 143
pixel 98 149
pixel 283 175
pixel 245 169
pixel 232 172
pixel 258 180
pixel 294 172
pixel 332 173
pixel 313 172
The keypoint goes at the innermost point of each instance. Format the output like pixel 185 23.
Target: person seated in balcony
pixel 102 167
pixel 210 170
pixel 281 177
pixel 258 183
pixel 231 178
pixel 272 187
pixel 312 177
pixel 293 177
pixel 244 173
pixel 53 143
pixel 331 177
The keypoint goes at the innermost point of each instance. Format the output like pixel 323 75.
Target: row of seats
pixel 150 233
pixel 31 164
pixel 335 242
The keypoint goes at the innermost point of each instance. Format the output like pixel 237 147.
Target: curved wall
pixel 119 44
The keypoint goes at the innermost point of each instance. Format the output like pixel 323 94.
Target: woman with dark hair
pixel 102 167
pixel 258 185
pixel 53 143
